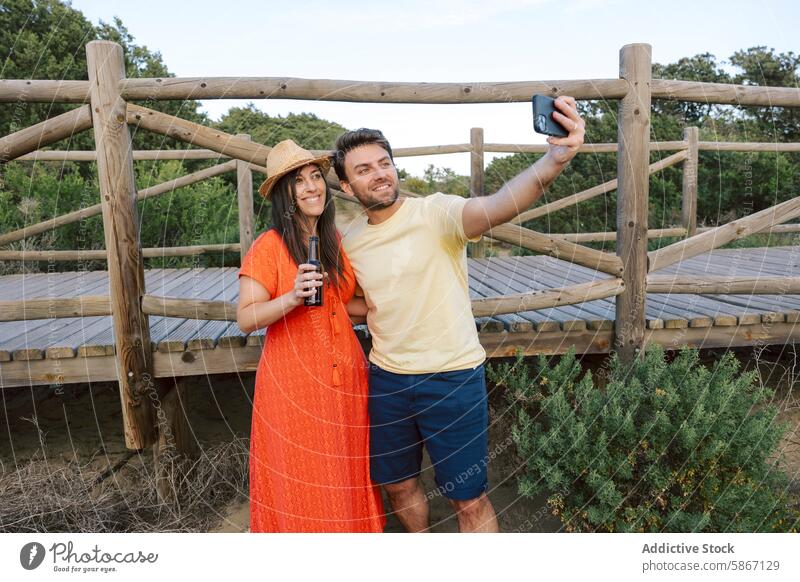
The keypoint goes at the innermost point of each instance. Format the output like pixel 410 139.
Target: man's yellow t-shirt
pixel 413 271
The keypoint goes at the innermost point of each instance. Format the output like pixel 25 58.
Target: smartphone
pixel 543 122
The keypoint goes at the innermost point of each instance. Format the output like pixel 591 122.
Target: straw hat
pixel 285 157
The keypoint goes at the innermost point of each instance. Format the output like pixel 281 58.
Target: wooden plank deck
pixel 48 351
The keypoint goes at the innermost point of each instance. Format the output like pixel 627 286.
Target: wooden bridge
pixel 81 349
pixel 140 327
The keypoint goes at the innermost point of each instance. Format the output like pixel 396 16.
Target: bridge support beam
pixel 176 440
pixel 633 159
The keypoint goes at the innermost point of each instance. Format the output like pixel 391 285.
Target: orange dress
pixel 309 445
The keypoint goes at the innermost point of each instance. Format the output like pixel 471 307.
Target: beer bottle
pixel 313 259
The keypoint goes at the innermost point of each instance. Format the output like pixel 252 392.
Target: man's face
pixel 371 176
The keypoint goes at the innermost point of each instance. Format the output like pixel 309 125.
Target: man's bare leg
pixel 409 504
pixel 476 515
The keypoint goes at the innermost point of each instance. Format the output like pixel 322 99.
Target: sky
pixel 445 41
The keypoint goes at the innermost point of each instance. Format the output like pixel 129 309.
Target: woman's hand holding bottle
pixel 306 283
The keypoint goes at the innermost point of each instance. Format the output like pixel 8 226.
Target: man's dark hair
pixel 353 139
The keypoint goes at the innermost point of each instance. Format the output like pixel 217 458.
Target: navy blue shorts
pixel 447 412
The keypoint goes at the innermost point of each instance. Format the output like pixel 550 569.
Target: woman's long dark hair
pixel 287 219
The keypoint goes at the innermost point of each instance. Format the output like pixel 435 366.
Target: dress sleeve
pixel 444 214
pixel 260 263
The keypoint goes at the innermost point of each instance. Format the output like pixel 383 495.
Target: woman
pixel 309 449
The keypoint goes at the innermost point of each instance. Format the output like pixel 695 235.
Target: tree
pixel 308 130
pixel 762 66
pixel 43 39
pixel 141 62
pixel 702 68
pixel 730 185
pixel 46 39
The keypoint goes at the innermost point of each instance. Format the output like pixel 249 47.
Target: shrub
pixel 674 447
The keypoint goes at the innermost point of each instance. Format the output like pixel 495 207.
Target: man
pixel 427 382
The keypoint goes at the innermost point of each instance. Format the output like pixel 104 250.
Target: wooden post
pixel 689 200
pixel 476 175
pixel 121 227
pixel 175 439
pixel 633 158
pixel 244 188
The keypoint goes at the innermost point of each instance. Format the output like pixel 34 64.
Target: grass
pixel 96 496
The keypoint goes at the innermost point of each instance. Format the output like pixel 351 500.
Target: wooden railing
pixel 244 190
pixel 538 242
pixel 106 107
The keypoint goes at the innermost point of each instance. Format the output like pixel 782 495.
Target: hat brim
pixel 324 163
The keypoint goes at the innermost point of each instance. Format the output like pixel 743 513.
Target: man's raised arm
pixel 482 213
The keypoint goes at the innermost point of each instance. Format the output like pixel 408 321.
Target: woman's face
pixel 309 187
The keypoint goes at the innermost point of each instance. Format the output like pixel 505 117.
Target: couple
pixel 328 427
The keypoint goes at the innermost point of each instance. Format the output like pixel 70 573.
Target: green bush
pixel 674 447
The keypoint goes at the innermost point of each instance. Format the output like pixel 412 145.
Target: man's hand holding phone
pixel 482 213
pixel 565 114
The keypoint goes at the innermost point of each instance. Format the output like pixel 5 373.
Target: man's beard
pixel 371 203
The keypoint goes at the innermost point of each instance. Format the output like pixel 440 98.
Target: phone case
pixel 543 122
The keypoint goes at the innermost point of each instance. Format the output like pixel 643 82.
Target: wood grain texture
pixel 138 155
pixel 431 150
pixel 579 237
pixel 722 235
pixel 244 196
pixel 197 135
pixel 43 91
pixel 758 285
pixel 689 182
pixel 587 148
pixel 740 146
pixel 244 358
pixel 189 308
pixel 476 180
pixel 117 182
pixel 176 440
pixel 42 134
pixel 100 255
pixel 724 93
pixel 172 88
pixel 559 248
pixel 177 88
pixel 54 308
pixel 632 197
pixel 34 342
pixel 596 148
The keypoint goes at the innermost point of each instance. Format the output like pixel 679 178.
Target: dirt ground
pixel 82 423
